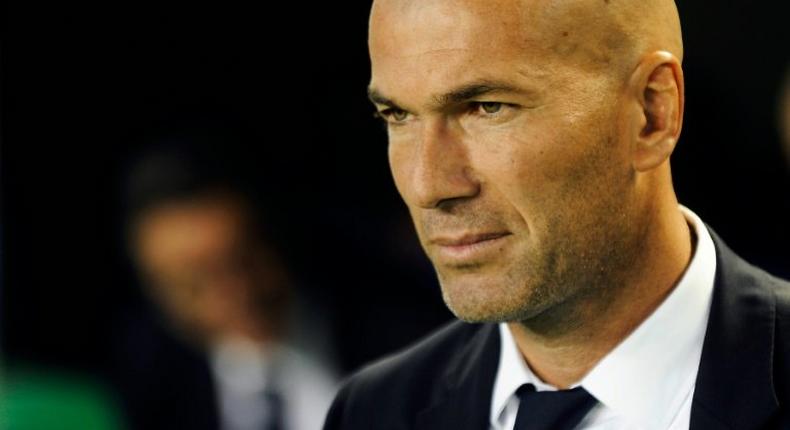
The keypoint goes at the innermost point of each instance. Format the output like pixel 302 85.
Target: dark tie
pixel 551 410
pixel 274 403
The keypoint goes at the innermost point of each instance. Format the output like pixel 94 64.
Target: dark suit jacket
pixel 160 382
pixel 446 381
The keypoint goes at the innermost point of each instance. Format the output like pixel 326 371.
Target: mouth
pixel 469 247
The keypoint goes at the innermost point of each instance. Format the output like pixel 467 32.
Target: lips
pixel 468 239
pixel 467 248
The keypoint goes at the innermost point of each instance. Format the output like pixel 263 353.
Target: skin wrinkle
pixel 594 238
pixel 433 52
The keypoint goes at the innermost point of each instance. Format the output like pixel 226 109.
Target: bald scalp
pixel 596 34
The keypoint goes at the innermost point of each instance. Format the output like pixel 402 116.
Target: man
pixel 530 141
pixel 229 354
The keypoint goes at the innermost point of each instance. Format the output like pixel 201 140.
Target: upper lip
pixel 468 239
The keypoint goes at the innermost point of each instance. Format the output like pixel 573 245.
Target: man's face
pixel 505 143
pixel 203 266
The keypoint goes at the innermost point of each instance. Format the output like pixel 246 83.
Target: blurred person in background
pixel 783 125
pixel 783 115
pixel 220 353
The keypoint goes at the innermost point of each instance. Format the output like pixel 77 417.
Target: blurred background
pixel 166 165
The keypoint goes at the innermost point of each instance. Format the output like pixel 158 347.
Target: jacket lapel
pixel 734 387
pixel 469 382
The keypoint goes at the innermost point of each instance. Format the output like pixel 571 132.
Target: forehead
pixel 438 43
pixel 184 231
pixel 412 28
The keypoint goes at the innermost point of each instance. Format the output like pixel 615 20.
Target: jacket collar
pixel 735 388
pixel 468 383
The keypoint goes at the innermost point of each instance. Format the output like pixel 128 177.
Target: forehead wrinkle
pixel 437 51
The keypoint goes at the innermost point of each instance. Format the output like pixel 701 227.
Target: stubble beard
pixel 591 273
pixel 552 291
pixel 567 273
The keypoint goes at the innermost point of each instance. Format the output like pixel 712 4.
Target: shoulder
pixel 755 284
pixel 768 299
pixel 754 287
pixel 781 292
pixel 747 284
pixel 423 362
pixel 776 291
pixel 407 381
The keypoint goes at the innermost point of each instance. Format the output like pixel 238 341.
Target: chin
pixel 478 299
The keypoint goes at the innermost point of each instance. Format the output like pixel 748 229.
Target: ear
pixel 657 85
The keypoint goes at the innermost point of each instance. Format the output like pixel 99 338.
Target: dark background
pixel 85 83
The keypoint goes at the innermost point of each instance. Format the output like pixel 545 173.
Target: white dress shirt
pixel 244 371
pixel 647 381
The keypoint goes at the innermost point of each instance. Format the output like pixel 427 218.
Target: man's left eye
pixel 490 107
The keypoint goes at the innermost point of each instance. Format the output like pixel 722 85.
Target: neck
pixel 261 330
pixel 603 321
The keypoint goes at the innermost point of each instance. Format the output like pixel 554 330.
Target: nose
pixel 441 171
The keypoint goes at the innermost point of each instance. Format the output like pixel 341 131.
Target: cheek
pixel 401 168
pixel 525 159
pixel 543 165
pixel 399 161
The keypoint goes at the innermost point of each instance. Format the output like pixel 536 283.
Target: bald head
pixel 610 34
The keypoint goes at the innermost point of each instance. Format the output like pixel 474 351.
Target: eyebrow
pixel 376 97
pixel 455 96
pixel 473 90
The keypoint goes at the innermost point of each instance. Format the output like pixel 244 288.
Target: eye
pixel 398 114
pixel 490 107
pixel 391 115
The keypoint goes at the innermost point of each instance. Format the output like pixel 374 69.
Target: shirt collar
pixel 641 378
pixel 513 372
